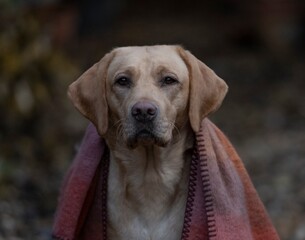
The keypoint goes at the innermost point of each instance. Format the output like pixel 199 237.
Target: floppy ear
pixel 88 94
pixel 207 90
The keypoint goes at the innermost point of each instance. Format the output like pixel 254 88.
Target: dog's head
pixel 145 93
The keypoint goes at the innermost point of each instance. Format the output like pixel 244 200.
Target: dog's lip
pixel 144 132
pixel 143 137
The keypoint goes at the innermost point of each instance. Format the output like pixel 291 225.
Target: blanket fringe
pixel 207 192
pixel 190 196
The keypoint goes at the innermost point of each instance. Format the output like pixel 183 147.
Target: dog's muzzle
pixel 144 115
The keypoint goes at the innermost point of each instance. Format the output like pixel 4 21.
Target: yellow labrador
pixel 147 102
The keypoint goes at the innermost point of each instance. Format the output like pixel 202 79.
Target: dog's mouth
pixel 145 137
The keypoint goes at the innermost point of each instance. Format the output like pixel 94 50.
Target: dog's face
pixel 144 94
pixel 147 93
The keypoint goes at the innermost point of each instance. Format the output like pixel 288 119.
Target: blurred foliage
pixel 33 81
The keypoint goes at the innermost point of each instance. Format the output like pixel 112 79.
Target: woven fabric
pixel 221 204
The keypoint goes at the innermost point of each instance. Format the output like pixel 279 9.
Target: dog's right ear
pixel 88 94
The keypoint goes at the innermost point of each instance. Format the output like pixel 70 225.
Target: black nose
pixel 144 111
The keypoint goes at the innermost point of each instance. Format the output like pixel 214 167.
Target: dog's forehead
pixel 151 56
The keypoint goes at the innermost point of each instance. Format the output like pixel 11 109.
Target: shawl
pixel 222 202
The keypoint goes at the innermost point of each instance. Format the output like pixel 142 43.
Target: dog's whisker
pixel 118 125
pixel 175 128
pixel 119 129
pixel 118 122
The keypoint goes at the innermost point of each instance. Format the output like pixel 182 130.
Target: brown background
pixel 257 47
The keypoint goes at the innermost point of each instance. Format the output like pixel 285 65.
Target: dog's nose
pixel 144 111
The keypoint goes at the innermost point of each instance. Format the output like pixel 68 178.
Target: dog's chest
pixel 127 224
pixel 145 211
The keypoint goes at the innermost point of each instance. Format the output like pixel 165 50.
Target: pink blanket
pixel 222 202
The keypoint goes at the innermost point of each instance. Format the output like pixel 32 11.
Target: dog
pixel 147 103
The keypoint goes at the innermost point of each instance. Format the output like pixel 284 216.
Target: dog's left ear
pixel 207 90
pixel 88 94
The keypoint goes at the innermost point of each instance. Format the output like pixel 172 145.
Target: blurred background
pixel 256 46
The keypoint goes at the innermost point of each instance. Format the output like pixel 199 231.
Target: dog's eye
pixel 123 81
pixel 169 80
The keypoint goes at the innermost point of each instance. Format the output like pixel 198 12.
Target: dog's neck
pixel 151 175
